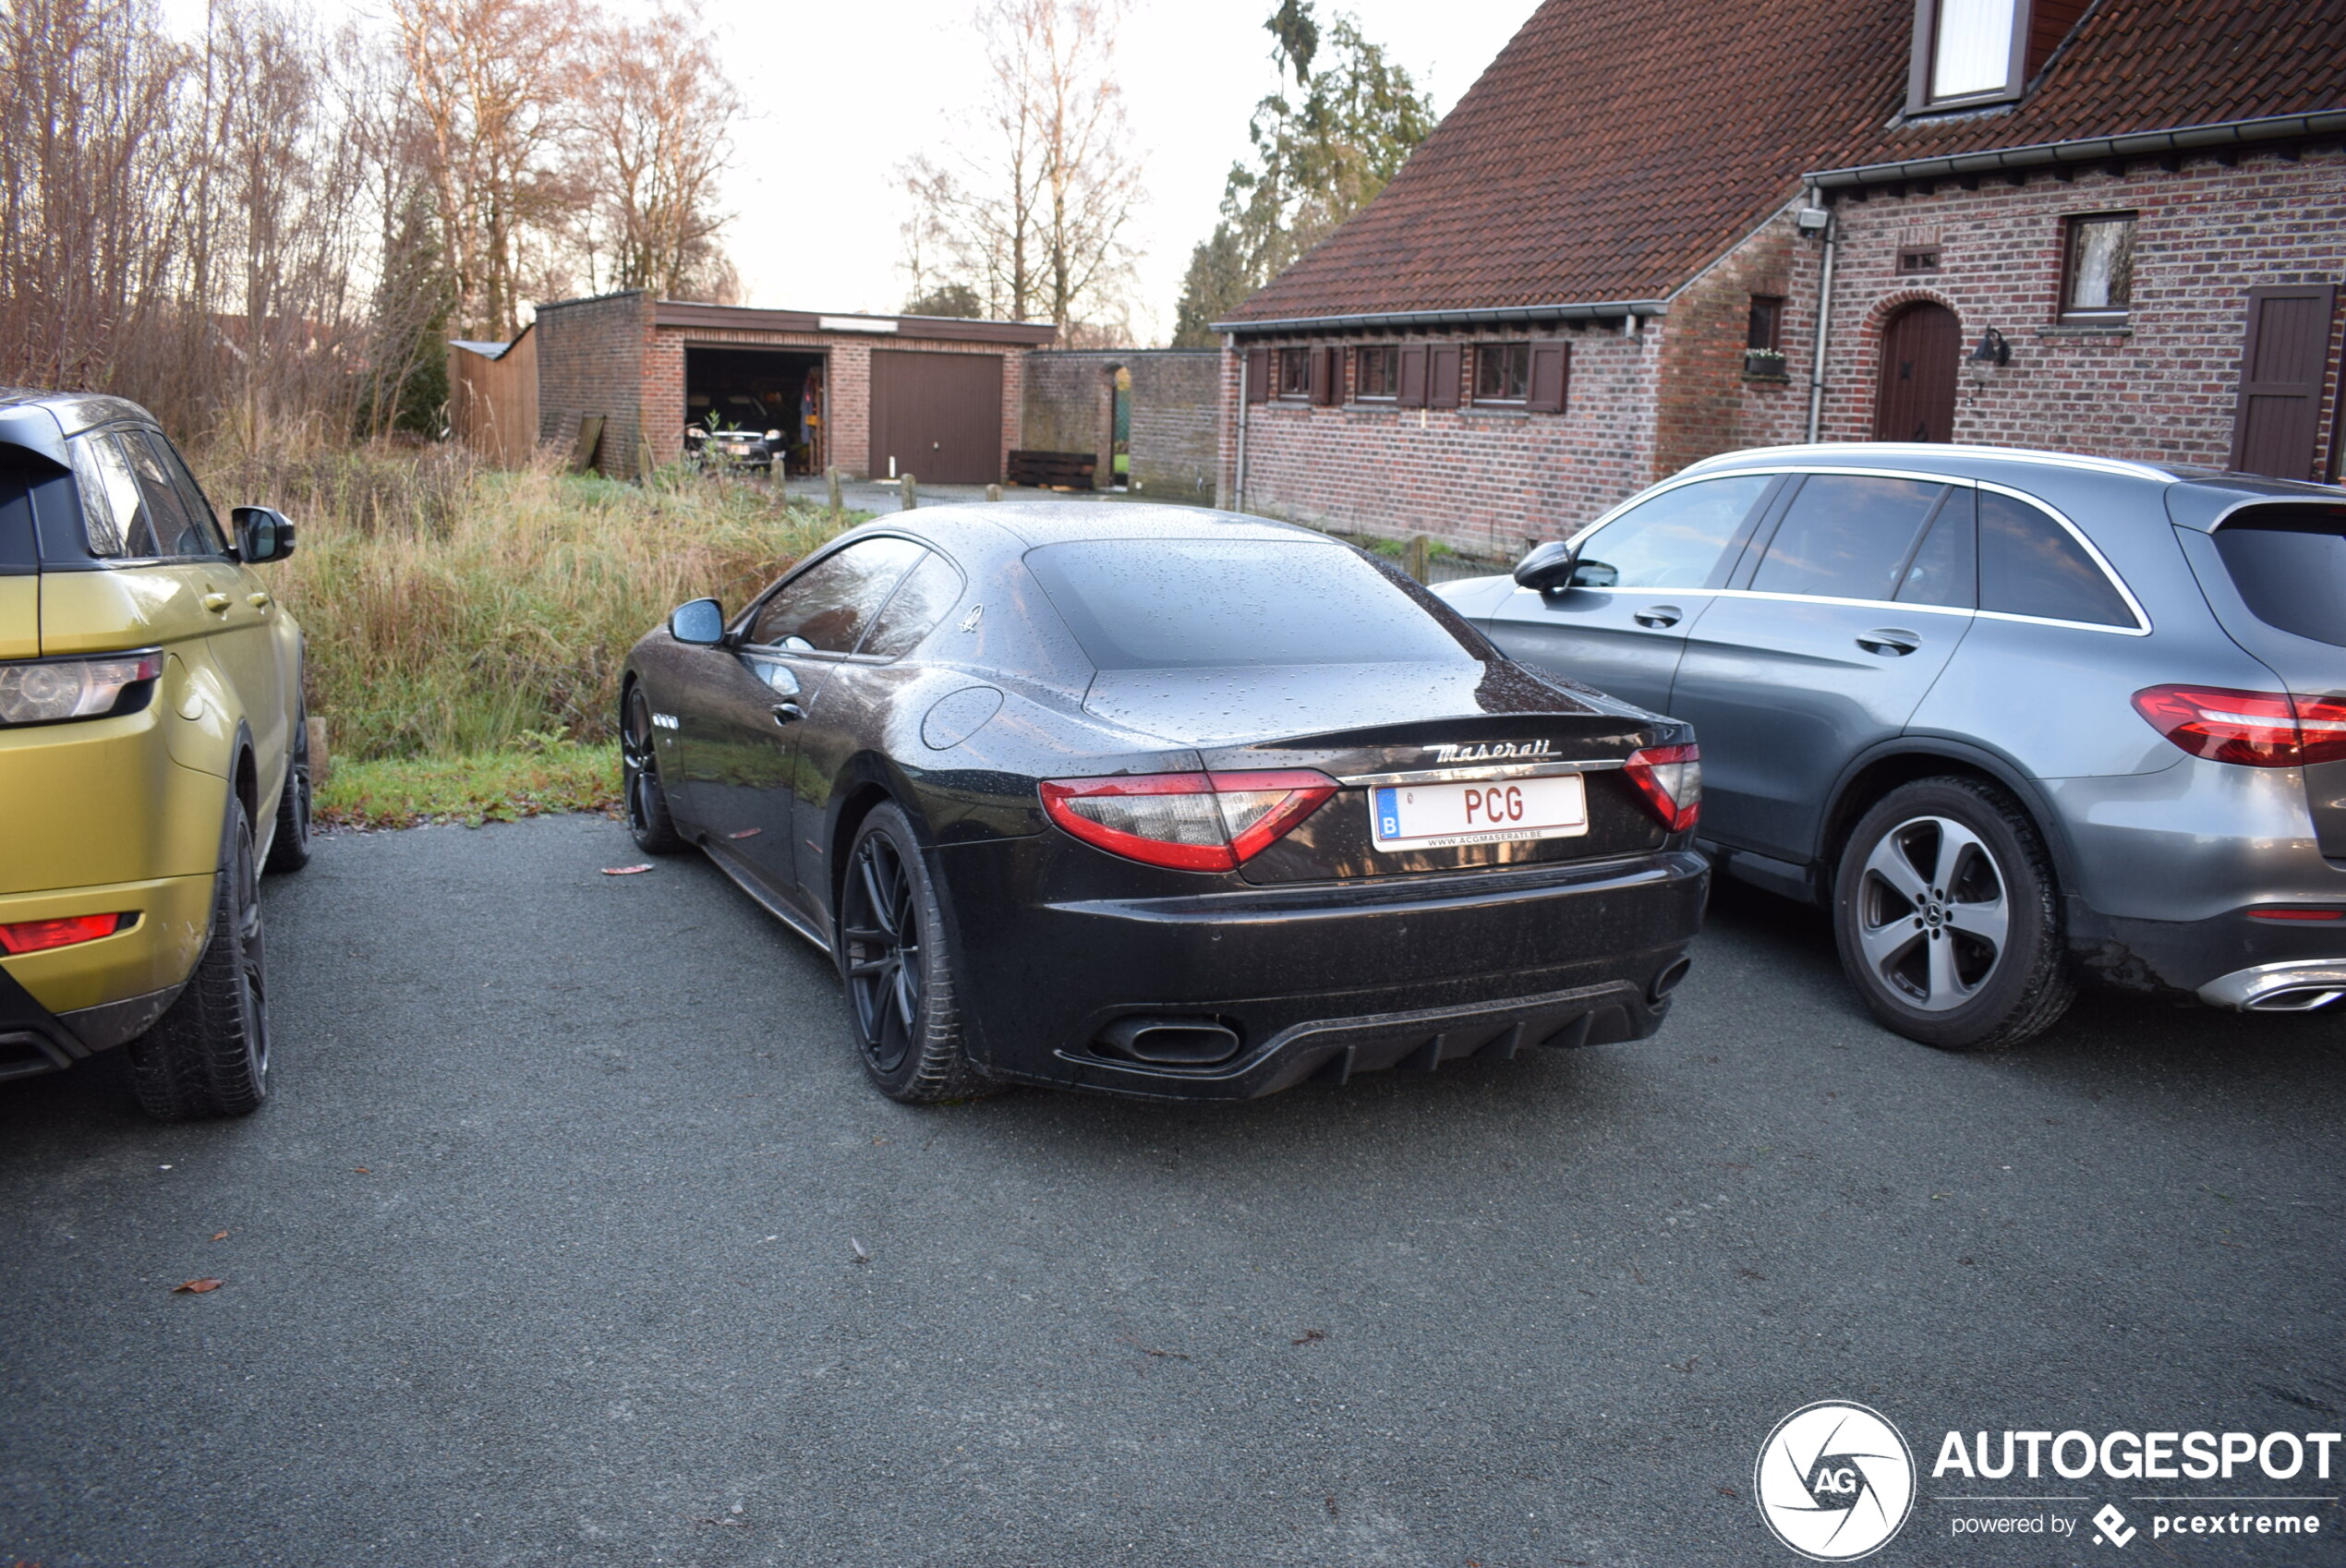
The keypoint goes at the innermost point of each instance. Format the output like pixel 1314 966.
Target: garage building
pixel 621 375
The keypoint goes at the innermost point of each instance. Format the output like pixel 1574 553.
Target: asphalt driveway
pixel 572 1236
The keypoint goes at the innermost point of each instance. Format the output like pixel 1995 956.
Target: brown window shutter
pixel 1331 376
pixel 1442 369
pixel 1410 392
pixel 2277 423
pixel 1549 362
pixel 1258 375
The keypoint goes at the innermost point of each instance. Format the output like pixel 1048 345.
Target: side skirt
pixel 748 882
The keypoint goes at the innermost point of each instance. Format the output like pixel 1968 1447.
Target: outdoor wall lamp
pixel 1992 349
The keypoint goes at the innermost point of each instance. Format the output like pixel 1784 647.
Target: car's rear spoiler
pixel 33 432
pixel 2206 504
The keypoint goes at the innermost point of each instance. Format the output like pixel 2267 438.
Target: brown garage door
pixel 937 416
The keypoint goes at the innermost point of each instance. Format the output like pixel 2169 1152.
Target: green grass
pixel 500 786
pixel 466 625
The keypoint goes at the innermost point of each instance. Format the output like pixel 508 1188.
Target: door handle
pixel 788 713
pixel 216 603
pixel 1657 616
pixel 1889 642
pixel 257 601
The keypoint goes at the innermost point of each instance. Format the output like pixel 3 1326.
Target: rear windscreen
pixel 2290 567
pixel 1172 604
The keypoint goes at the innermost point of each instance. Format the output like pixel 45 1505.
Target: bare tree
pixel 1033 214
pixel 495 85
pixel 657 112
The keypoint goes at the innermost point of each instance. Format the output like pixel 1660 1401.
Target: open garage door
pixel 937 416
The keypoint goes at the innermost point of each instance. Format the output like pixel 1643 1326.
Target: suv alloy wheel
pixel 1947 918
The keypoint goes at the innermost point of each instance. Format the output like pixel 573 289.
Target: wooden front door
pixel 937 416
pixel 1920 356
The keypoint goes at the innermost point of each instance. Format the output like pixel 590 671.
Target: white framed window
pixel 1967 52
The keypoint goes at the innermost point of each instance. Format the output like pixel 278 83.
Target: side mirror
pixel 700 623
pixel 1547 568
pixel 773 435
pixel 262 535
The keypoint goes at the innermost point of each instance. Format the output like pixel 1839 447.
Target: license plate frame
pixel 1403 817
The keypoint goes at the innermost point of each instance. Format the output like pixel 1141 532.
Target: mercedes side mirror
pixel 262 535
pixel 701 623
pixel 1547 568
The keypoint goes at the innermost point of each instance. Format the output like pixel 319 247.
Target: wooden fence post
pixel 831 474
pixel 1420 557
pixel 909 489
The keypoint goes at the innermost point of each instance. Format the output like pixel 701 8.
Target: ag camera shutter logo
pixel 1835 1481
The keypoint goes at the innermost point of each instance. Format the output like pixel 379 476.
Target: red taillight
pixel 39 935
pixel 1187 821
pixel 2252 729
pixel 2286 912
pixel 1670 778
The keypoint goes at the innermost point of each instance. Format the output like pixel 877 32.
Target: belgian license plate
pixel 1442 816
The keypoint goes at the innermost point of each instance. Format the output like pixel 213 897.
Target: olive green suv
pixel 154 755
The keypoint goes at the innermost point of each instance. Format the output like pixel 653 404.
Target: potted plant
pixel 1766 364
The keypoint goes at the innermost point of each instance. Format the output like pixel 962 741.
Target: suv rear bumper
pixel 155 954
pixel 2228 961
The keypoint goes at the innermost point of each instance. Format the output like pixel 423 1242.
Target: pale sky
pixel 845 92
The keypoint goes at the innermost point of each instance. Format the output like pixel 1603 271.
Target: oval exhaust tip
pixel 1181 1043
pixel 1667 981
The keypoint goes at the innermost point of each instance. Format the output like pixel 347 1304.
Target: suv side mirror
pixel 262 535
pixel 700 623
pixel 1547 568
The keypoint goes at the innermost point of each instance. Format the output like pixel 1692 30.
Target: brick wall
pixel 2161 388
pixel 1704 402
pixel 1174 437
pixel 1484 480
pixel 1070 402
pixel 590 361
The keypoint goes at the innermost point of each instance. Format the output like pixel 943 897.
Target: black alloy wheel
pixel 208 1055
pixel 894 956
pixel 1947 917
pixel 289 847
pixel 646 803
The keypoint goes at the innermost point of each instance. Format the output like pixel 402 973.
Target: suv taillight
pixel 1187 821
pixel 47 690
pixel 1670 778
pixel 2252 729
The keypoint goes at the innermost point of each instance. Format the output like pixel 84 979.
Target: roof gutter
pixel 2092 150
pixel 1495 316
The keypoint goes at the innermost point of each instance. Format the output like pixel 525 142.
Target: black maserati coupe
pixel 1166 803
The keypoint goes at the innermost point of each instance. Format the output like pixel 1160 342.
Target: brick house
pixel 870 394
pixel 2113 227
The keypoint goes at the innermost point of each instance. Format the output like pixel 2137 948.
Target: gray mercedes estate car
pixel 2016 717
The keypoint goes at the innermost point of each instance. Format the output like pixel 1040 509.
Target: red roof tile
pixel 1616 147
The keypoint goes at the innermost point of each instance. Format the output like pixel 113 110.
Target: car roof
pixel 1957 461
pixel 74 412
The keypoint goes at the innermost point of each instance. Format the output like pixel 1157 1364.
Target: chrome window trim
pixel 2142 627
pixel 1480 775
pixel 1898 606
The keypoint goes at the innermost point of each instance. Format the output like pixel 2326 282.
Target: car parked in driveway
pixel 2014 717
pixel 1159 802
pixel 153 758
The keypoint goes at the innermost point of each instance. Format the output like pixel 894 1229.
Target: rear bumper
pixel 1312 980
pixel 2226 960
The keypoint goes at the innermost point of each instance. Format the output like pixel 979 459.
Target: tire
pixel 646 801
pixel 208 1054
pixel 896 962
pixel 289 849
pixel 1948 919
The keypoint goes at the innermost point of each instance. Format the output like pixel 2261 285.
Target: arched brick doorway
pixel 1921 350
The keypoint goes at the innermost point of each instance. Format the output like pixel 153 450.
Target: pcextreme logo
pixel 1835 1481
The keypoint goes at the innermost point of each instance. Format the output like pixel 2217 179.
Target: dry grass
pixel 455 611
